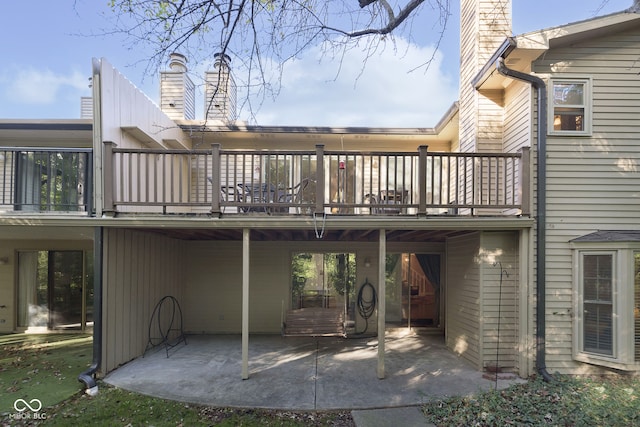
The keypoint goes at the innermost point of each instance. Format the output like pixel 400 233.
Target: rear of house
pixel 256 229
pixel 589 134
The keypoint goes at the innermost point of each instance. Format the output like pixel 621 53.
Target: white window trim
pixel 623 305
pixel 588 105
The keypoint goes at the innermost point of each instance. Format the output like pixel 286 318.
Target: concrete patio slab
pixel 303 373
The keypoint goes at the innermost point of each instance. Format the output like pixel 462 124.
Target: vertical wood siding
pixel 213 291
pixel 500 316
pixel 592 182
pixel 139 269
pixel 483 26
pixel 463 310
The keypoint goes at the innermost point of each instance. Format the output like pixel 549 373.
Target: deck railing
pixel 45 180
pixel 300 182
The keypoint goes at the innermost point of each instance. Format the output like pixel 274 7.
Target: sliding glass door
pixel 55 289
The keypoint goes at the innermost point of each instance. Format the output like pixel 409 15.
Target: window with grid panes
pixel 607 304
pixel 570 106
pixel 597 303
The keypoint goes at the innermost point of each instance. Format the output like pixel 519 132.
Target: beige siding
pixel 518 125
pixel 463 311
pixel 139 269
pixel 177 95
pixel 214 287
pixel 213 281
pixel 483 26
pixel 500 299
pixel 592 182
pixel 124 105
pixel 31 239
pixel 131 120
pixel 517 117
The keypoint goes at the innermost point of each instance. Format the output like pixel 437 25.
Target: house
pixel 509 229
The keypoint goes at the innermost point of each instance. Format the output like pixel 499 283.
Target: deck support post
pixel 382 254
pixel 245 303
pixel 319 209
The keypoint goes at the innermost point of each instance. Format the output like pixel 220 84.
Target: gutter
pixel 88 377
pixel 541 88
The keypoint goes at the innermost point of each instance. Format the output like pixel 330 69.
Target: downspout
pixel 88 377
pixel 541 202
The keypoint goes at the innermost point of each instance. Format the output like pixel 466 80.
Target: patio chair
pixel 392 197
pixel 254 193
pixel 293 195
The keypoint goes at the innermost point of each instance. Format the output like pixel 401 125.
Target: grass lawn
pixel 45 367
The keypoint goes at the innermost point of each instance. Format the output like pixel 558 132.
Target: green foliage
pixel 571 401
pixel 341 269
pixel 302 268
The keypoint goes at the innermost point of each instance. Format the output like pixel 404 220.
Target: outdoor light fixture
pixel 4 260
pixel 367 262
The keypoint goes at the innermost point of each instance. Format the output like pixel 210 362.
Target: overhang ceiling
pixel 271 235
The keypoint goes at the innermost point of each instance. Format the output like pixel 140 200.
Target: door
pixel 413 289
pixel 55 290
pixel 322 291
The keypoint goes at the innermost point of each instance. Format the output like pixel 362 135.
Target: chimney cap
pixel 178 62
pixel 221 59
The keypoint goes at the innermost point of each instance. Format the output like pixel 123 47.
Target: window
pixel 597 303
pixel 607 305
pixel 570 110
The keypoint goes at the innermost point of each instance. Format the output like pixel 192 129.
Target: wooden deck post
pixel 245 303
pixel 108 207
pixel 525 181
pixel 319 179
pixel 382 255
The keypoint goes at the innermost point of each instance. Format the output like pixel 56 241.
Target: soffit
pixel 349 235
pixel 526 48
pixel 41 132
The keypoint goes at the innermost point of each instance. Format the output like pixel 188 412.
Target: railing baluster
pixel 422 180
pixel 215 179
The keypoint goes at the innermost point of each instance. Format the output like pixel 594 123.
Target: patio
pixel 304 373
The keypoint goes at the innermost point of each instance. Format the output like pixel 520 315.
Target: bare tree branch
pixel 273 30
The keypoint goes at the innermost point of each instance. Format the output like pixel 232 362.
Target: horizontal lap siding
pixel 592 182
pixel 139 270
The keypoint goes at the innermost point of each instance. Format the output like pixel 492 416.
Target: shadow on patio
pixel 303 373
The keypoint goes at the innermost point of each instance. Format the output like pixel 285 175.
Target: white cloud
pixel 32 86
pixel 381 92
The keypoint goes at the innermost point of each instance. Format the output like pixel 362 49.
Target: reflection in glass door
pixel 55 289
pixel 322 280
pixel 413 289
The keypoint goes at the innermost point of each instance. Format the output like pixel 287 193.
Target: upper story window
pixel 570 106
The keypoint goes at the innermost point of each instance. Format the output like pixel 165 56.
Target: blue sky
pixel 47 49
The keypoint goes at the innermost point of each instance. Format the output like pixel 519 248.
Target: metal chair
pixel 292 196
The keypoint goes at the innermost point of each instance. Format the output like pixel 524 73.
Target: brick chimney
pixel 484 25
pixel 220 91
pixel 177 91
